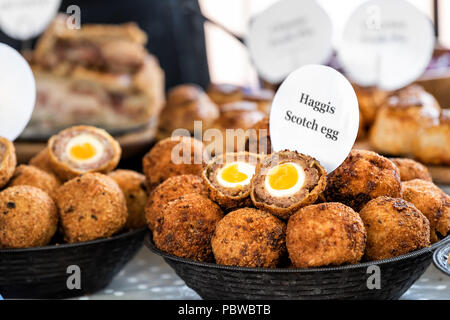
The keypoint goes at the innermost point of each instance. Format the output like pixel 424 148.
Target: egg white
pixel 244 167
pixel 287 192
pixel 81 139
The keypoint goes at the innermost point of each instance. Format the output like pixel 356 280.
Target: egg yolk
pixel 283 177
pixel 83 151
pixel 232 174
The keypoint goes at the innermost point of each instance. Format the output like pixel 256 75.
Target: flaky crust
pixel 410 169
pixel 28 217
pixel 432 202
pixel 364 175
pixel 228 202
pixel 185 104
pixel 433 143
pixel 91 206
pixel 311 196
pixel 186 226
pixel 8 161
pixel 31 176
pixel 158 166
pixel 394 227
pixel 66 172
pixel 225 93
pixel 249 238
pixel 134 188
pixel 171 189
pixel 325 234
pixel 401 118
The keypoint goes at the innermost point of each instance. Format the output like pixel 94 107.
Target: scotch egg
pixel 83 149
pixel 286 181
pixel 8 161
pixel 228 178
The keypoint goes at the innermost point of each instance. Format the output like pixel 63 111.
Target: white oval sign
pixel 315 112
pixel 25 19
pixel 17 92
pixel 288 35
pixel 386 43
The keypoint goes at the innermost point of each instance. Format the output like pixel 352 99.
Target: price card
pixel 315 112
pixel 386 43
pixel 25 19
pixel 17 92
pixel 287 35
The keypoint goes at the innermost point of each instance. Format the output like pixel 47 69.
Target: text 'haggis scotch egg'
pixel 228 178
pixel 83 149
pixel 286 181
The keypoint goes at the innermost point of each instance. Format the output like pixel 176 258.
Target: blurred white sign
pixel 386 43
pixel 17 92
pixel 315 112
pixel 288 35
pixel 25 19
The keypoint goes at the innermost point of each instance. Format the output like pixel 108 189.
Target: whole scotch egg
pixel 228 178
pixel 82 149
pixel 286 181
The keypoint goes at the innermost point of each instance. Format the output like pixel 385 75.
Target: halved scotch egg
pixel 228 178
pixel 83 149
pixel 8 161
pixel 286 181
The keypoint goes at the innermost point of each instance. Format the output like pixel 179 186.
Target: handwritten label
pixel 315 112
pixel 287 35
pixel 386 43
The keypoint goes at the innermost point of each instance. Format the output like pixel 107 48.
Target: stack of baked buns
pixel 407 122
pixel 222 107
pixel 68 192
pixel 100 75
pixel 282 209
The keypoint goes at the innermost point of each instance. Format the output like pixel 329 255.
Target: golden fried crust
pixel 225 93
pixel 311 195
pixel 433 144
pixel 186 104
pixel 65 171
pixel 364 175
pixel 249 238
pixel 8 161
pixel 31 176
pixel 91 206
pixel 158 165
pixel 432 202
pixel 228 201
pixel 325 234
pixel 186 226
pixel 259 140
pixel 134 188
pixel 28 217
pixel 394 227
pixel 42 161
pixel 171 189
pixel 400 119
pixel 410 169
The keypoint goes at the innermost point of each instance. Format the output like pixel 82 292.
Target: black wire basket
pixel 441 258
pixel 216 282
pixel 44 272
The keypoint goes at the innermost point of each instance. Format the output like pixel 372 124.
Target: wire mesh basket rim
pixel 119 236
pixel 438 258
pixel 150 245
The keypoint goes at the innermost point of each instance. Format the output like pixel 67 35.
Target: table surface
pixel 148 277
